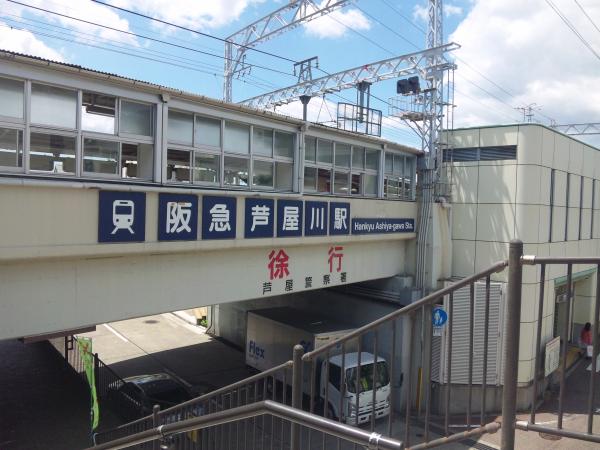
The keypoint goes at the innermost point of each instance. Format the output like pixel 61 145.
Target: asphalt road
pixel 167 343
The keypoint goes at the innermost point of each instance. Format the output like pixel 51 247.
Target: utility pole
pixel 286 18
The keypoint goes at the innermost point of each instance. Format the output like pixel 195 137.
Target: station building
pixel 122 198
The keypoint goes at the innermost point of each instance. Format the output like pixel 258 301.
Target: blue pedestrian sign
pixel 439 317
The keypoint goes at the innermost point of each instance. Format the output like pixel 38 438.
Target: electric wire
pixel 161 41
pixel 572 27
pixel 587 15
pixel 164 22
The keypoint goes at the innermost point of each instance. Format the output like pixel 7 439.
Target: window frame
pixel 26 96
pixel 23 130
pixel 403 177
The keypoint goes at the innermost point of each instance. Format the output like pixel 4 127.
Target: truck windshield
pixel 366 377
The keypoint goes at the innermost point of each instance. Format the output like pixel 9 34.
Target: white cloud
pixel 337 24
pixel 452 10
pixel 318 110
pixel 82 9
pixel 525 48
pixel 420 12
pixel 25 42
pixel 197 15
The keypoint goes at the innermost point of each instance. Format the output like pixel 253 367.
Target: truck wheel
pixel 331 412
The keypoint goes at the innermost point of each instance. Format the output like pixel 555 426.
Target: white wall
pixel 496 201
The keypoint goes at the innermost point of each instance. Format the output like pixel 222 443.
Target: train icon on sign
pixel 123 215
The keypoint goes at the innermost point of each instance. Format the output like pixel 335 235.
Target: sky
pixel 513 53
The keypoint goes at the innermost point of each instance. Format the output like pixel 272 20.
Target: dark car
pixel 134 397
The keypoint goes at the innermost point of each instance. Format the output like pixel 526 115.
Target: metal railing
pixel 229 417
pixel 387 326
pixel 240 414
pixel 543 262
pixel 272 384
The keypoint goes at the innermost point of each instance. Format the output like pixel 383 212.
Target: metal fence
pixel 250 426
pixel 274 384
pixel 559 430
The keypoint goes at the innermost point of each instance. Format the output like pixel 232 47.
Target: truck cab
pixel 351 387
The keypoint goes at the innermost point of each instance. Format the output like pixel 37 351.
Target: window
pixel 53 106
pixel 11 147
pixel 399 176
pixel 310 179
pixel 11 93
pixel 237 138
pixel 340 183
pixel 208 132
pixel 52 153
pixel 335 375
pixel 310 149
pixel 262 174
pixel 284 176
pixel 284 144
pixel 206 168
pixel 181 128
pixel 178 166
pixel 262 142
pixel 492 153
pixel 136 118
pixel 236 171
pixel 98 113
pixel 342 155
pixel 365 164
pixel 324 151
pixel 100 156
pixel 137 161
pixel 324 181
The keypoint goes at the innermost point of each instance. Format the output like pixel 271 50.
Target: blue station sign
pixel 379 226
pixel 121 216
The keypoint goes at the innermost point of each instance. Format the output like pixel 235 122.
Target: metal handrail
pixel 351 434
pixel 428 299
pixel 533 260
pixel 199 400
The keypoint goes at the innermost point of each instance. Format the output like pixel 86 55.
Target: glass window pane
pixel 355 186
pixel 262 141
pixel 11 93
pixel 136 118
pixel 310 149
pixel 358 158
pixel 181 128
pixel 208 131
pixel 53 106
pixel 389 163
pixel 324 180
pixel 398 164
pixel 284 176
pixel 206 168
pixel 342 155
pixel 52 153
pixel 370 184
pixel 262 174
pixel 11 148
pixel 310 179
pixel 137 161
pixel 391 187
pixel 408 167
pixel 284 144
pixel 324 151
pixel 340 182
pixel 237 137
pixel 236 171
pixel 100 156
pixel 98 113
pixel 178 166
pixel 372 159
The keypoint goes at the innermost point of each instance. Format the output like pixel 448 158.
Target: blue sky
pixel 513 53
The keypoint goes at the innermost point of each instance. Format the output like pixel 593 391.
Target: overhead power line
pixel 130 33
pixel 572 28
pixel 171 24
pixel 587 15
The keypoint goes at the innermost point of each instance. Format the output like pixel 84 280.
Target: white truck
pixel 270 337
